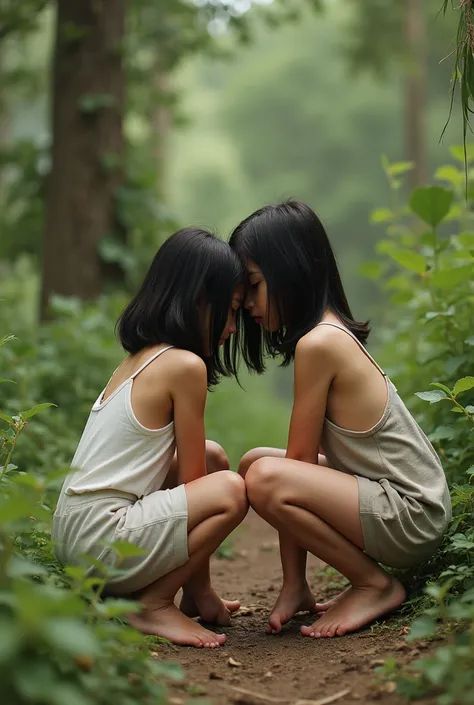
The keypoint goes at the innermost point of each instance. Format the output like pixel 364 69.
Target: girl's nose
pixel 248 301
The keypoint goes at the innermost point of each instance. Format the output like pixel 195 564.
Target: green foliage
pixel 59 640
pixel 273 125
pixel 428 275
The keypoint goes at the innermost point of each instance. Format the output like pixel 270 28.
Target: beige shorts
pixel 157 523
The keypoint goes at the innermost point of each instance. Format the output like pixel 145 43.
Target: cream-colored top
pixel 116 452
pixel 396 454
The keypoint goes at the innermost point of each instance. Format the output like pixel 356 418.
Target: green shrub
pixel 59 641
pixel 426 269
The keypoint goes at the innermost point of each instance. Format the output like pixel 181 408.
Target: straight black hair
pixel 193 270
pixel 289 244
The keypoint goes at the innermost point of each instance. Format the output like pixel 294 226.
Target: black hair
pixel 192 269
pixel 289 244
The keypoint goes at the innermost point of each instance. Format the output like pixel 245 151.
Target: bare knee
pixel 262 481
pixel 233 493
pixel 216 457
pixel 250 457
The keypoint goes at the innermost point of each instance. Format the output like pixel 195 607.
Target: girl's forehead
pixel 252 268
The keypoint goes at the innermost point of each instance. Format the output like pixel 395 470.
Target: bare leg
pixel 319 507
pixel 295 594
pixel 216 505
pixel 199 598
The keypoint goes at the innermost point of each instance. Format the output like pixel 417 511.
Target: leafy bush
pixel 426 268
pixel 59 641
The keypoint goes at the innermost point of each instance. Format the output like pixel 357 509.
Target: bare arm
pixel 188 392
pixel 314 372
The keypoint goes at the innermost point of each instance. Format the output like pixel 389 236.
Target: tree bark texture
pixel 416 84
pixel 88 88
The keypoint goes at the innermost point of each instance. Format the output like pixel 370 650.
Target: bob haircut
pixel 193 270
pixel 289 244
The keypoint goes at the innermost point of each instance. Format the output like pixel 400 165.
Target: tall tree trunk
pixel 416 80
pixel 161 124
pixel 87 111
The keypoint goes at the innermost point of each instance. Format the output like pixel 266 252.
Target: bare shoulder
pixel 319 342
pixel 176 366
pixel 184 365
pixel 323 348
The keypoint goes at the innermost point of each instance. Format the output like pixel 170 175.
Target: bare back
pixel 151 398
pixel 358 391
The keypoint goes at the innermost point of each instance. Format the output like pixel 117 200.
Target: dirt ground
pixel 254 668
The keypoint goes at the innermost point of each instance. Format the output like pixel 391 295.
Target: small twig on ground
pixel 269 699
pixel 325 701
pixel 259 696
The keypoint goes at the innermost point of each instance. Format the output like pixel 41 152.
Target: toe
pixel 274 624
pixel 232 605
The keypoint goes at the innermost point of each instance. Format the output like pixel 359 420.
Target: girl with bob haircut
pixel 143 472
pixel 359 484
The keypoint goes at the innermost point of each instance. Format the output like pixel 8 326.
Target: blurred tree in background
pixel 307 110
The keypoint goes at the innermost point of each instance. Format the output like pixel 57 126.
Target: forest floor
pixel 254 668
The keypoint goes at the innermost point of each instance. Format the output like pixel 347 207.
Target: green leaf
pixel 381 215
pixel 126 549
pixel 433 397
pixel 7 339
pixel 450 174
pixel 458 152
pixel 34 410
pixel 10 641
pixel 429 238
pixel 29 481
pixel 5 417
pixel 6 381
pixel 452 364
pixel 35 680
pixel 449 278
pixel 466 240
pixel 400 168
pixel 117 607
pixel 71 636
pixel 410 260
pixel 431 203
pixel 19 567
pixel 169 669
pixel 441 433
pixel 438 385
pixel 421 628
pixel 463 385
pixel 15 508
pixel 68 693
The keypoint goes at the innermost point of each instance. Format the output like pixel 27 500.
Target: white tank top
pixel 116 452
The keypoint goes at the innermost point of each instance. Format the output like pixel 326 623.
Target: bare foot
pixel 325 606
pixel 168 622
pixel 209 607
pixel 289 602
pixel 356 608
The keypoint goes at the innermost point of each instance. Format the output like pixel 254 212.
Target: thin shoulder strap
pixel 150 359
pixel 362 347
